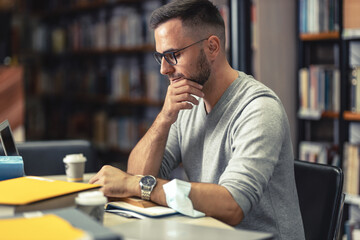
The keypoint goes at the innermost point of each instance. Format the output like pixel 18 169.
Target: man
pixel 229 131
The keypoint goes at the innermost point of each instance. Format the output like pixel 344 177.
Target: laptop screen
pixel 7 139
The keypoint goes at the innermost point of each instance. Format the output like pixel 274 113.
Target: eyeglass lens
pixel 169 57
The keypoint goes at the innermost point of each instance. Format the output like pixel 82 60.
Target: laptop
pixel 7 140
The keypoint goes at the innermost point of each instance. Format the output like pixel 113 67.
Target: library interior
pixel 79 76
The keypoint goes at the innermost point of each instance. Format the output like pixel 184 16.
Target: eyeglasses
pixel 170 56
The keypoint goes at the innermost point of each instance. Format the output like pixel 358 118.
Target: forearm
pixel 216 201
pixel 147 155
pixel 211 199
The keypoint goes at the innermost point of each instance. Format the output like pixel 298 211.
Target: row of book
pixel 318 16
pixel 122 26
pixel 355 90
pixel 319 90
pixel 121 132
pixel 319 152
pixel 119 78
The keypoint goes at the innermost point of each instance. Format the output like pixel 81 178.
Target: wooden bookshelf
pixel 317 115
pixel 328 114
pixel 351 116
pixel 319 36
pixel 320 80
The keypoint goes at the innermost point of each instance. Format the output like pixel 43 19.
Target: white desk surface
pixel 111 219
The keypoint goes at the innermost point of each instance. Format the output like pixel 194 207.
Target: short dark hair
pixel 195 14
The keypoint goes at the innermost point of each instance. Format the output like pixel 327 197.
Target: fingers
pixel 180 95
pixel 94 179
pixel 183 92
pixel 100 176
pixel 187 86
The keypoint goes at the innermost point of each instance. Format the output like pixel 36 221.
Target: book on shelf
pixel 107 28
pixel 351 167
pixel 319 90
pixel 317 16
pixel 351 19
pixel 318 152
pixel 354 57
pixel 12 101
pixel 32 193
pixel 354 132
pixel 355 90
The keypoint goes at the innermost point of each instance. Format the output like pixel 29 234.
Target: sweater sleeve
pixel 256 135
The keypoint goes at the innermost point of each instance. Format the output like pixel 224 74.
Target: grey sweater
pixel 243 144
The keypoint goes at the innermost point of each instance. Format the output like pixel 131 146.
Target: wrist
pixel 134 187
pixel 164 120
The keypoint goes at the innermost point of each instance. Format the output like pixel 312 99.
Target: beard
pixel 203 70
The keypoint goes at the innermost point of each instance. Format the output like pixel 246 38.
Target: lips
pixel 175 80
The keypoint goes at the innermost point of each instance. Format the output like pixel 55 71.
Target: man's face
pixel 192 63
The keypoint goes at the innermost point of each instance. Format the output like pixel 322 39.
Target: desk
pixel 172 227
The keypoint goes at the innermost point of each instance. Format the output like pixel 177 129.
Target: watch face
pixel 148 180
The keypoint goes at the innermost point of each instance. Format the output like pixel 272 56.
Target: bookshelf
pixel 342 44
pixel 89 71
pixel 320 85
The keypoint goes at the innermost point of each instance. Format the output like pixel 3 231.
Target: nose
pixel 166 68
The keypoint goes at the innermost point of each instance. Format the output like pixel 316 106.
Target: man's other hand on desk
pixel 116 183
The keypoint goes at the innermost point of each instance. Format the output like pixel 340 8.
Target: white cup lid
pixel 91 198
pixel 74 158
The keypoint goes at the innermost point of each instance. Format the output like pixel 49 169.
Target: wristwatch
pixel 147 184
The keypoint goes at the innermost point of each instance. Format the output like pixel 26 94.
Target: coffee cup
pixel 74 167
pixel 92 203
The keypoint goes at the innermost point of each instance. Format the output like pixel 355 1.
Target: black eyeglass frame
pixel 158 56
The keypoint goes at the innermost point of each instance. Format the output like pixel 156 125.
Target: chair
pixel 46 157
pixel 320 197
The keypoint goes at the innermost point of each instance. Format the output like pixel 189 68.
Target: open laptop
pixel 7 140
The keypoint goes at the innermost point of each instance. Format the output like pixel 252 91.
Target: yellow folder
pixel 45 227
pixel 36 193
pixel 25 190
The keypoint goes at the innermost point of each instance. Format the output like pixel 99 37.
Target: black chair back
pixel 46 157
pixel 320 197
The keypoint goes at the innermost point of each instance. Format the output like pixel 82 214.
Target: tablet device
pixel 7 140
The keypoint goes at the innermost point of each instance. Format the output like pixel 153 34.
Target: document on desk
pixel 148 209
pixel 56 228
pixel 37 193
pixel 64 223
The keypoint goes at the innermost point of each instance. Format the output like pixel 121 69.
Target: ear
pixel 213 47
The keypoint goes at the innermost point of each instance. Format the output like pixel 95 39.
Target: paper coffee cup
pixel 92 203
pixel 74 167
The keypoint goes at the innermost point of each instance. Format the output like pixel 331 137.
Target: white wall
pixel 275 52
